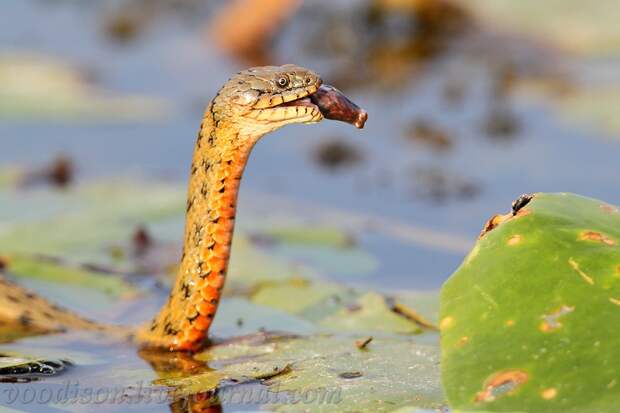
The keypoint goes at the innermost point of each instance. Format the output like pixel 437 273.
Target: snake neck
pixel 220 156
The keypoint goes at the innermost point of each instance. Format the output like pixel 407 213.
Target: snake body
pixel 251 104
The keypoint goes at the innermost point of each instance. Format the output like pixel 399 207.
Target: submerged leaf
pixel 309 235
pixel 372 314
pixel 323 373
pixel 593 26
pixel 41 87
pixel 294 295
pixel 46 269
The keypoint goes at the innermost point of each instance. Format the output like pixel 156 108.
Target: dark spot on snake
pixel 25 319
pixel 186 291
pixel 12 298
pixel 221 191
pixel 169 330
pixel 191 319
pixel 197 233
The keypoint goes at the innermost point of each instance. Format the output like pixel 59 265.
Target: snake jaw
pixel 280 116
pixel 290 106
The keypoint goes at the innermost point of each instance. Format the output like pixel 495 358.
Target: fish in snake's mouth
pixel 332 104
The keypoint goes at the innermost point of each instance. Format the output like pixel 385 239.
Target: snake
pixel 251 104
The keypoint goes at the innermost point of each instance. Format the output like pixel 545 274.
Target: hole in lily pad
pixel 551 321
pixel 501 384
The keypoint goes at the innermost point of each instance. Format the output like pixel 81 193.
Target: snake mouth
pixel 306 102
pixel 314 105
pixel 332 104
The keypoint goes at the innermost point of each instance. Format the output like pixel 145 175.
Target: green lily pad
pixel 372 314
pixel 528 321
pixel 330 370
pixel 45 269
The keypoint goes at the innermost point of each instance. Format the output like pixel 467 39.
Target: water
pixel 173 59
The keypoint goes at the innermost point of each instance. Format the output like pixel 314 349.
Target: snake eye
pixel 282 81
pixel 308 80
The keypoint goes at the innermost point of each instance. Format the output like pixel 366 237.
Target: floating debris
pixel 429 134
pixel 337 154
pixel 60 173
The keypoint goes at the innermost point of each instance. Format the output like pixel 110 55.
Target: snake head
pixel 269 97
pixel 262 99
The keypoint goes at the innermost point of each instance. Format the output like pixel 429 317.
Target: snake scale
pixel 251 104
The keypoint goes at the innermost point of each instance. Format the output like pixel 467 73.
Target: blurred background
pixel 471 104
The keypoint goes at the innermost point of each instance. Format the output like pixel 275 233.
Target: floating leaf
pixel 331 370
pixel 529 320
